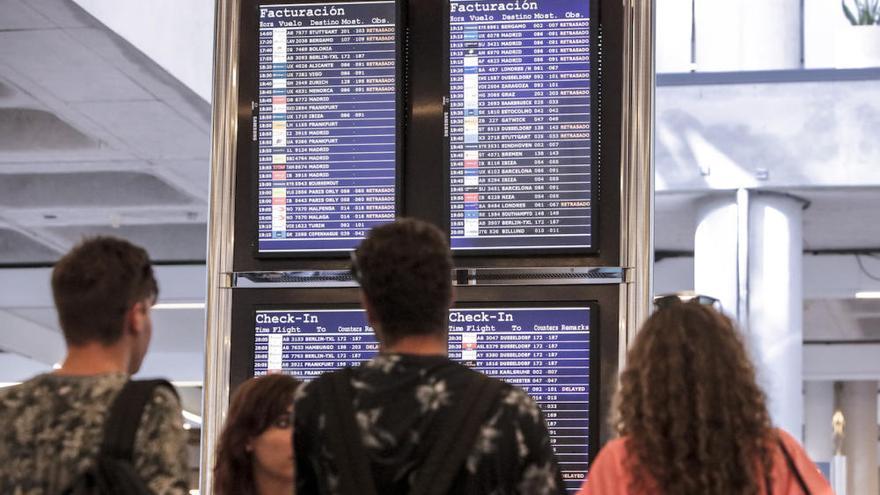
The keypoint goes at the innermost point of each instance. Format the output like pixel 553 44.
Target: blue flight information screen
pixel 326 124
pixel 545 351
pixel 519 124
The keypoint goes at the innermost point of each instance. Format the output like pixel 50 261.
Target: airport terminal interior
pixel 730 149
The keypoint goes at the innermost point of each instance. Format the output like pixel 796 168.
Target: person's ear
pixel 371 317
pixel 368 308
pixel 136 317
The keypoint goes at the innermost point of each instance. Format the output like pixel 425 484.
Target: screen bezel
pixel 246 255
pixel 595 84
pixel 603 302
pixel 427 184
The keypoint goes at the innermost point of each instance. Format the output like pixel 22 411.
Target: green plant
pixel 862 12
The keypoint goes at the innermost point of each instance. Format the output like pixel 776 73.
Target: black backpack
pixel 445 458
pixel 113 471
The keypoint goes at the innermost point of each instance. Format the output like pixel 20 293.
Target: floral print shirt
pixel 399 402
pixel 53 428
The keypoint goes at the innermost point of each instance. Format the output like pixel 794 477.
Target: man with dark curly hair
pixel 408 409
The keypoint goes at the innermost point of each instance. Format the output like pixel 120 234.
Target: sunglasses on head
pixel 668 300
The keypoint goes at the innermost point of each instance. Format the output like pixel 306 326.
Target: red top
pixel 609 476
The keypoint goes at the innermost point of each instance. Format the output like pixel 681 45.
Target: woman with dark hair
pixel 692 419
pixel 255 453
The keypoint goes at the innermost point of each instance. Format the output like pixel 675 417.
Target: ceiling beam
pixel 840 362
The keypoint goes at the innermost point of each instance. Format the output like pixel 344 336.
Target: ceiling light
pixel 185 383
pixel 868 294
pixel 187 305
pixel 192 417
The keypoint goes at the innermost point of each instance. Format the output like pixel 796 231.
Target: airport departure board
pixel 545 351
pixel 520 125
pixel 327 124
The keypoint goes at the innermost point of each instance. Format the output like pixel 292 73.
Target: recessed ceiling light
pixel 868 294
pixel 192 417
pixel 181 305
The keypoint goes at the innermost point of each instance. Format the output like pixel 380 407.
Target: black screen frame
pixel 427 186
pixel 422 185
pixel 246 253
pixel 603 302
pixel 594 165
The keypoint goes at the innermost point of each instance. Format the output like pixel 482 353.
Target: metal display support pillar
pixel 215 391
pixel 637 169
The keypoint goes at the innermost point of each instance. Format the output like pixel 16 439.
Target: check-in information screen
pixel 545 351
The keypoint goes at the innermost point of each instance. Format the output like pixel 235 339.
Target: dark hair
pixel 96 283
pixel 694 419
pixel 255 405
pixel 405 271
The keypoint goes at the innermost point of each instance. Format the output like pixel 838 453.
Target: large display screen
pixel 327 124
pixel 545 351
pixel 520 125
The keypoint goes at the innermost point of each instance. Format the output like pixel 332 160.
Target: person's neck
pixel 94 359
pixel 272 485
pixel 423 345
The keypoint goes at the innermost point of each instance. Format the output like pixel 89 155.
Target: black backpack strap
pixel 344 436
pixel 124 417
pixel 792 467
pixel 457 437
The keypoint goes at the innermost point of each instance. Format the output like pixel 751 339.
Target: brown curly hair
pixel 693 418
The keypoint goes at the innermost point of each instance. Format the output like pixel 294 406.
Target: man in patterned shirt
pixel 402 397
pixel 53 423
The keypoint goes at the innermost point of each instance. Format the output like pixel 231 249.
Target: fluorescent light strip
pixel 175 383
pixel 192 417
pixel 185 383
pixel 868 294
pixel 187 305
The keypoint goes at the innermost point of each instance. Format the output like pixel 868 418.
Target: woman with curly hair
pixel 692 419
pixel 255 452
